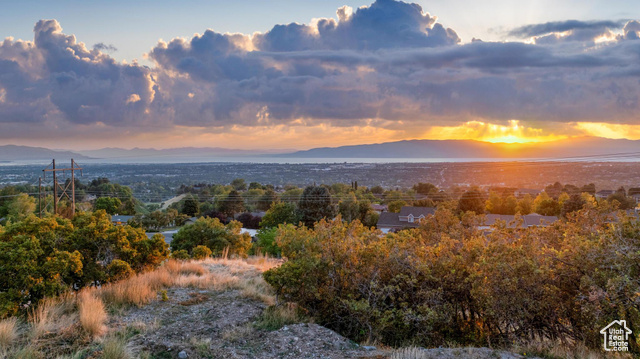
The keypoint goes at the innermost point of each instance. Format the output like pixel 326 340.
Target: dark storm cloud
pixel 562 26
pixel 104 47
pixel 390 64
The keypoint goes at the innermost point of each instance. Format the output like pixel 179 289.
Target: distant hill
pixel 13 153
pixel 577 147
pixel 114 153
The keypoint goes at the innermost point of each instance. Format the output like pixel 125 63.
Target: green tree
pixel 525 205
pixel 315 204
pixel 191 206
pixel 425 188
pixel 472 200
pixel 266 242
pixel 623 201
pixel 20 207
pixel 546 205
pixel 108 204
pixel 291 195
pixel 216 236
pixel 396 206
pixel 267 200
pixel 574 203
pixel 279 213
pixel 239 184
pixel 233 203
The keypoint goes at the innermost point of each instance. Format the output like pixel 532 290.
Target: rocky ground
pixel 210 323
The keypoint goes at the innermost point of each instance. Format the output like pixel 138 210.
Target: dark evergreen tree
pixel 315 204
pixel 191 207
pixel 472 200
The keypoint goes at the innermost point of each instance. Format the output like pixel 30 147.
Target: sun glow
pixel 609 130
pixel 514 132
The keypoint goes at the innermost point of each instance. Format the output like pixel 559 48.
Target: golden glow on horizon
pixel 514 132
pixel 609 130
pixel 303 134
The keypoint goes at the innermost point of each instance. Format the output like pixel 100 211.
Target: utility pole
pixel 64 190
pixel 55 188
pixel 40 197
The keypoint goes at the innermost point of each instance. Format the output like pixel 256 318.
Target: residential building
pixel 409 217
pixel 528 220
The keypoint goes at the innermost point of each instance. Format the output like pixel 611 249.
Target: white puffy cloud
pixel 57 77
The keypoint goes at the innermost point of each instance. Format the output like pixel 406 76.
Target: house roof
pixel 605 192
pixel 528 191
pixel 390 219
pixel 120 219
pixel 416 211
pixel 528 220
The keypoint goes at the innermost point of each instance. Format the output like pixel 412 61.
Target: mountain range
pixel 582 148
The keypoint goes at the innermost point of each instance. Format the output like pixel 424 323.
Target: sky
pixel 299 74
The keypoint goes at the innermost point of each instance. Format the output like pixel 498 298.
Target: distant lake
pixel 293 160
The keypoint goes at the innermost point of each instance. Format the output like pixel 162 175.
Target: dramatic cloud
pixel 563 26
pixel 388 66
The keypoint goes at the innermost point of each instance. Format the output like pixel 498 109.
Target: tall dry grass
pixel 8 333
pixel 115 348
pixel 408 353
pixel 137 290
pixel 58 326
pixel 91 313
pixel 552 349
pixel 51 315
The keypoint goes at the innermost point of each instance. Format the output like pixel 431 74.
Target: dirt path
pixel 171 201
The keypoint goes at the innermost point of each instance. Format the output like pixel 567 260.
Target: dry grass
pixel 137 290
pixel 408 353
pixel 189 268
pixel 8 333
pixel 51 315
pixel 115 348
pixel 216 274
pixel 237 333
pixel 555 350
pixel 91 312
pixel 194 298
pixel 258 289
pixel 58 327
pixel 263 262
pixel 274 318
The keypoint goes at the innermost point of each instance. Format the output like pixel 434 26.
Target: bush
pixel 201 252
pixel 118 270
pixel 445 282
pixel 181 255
